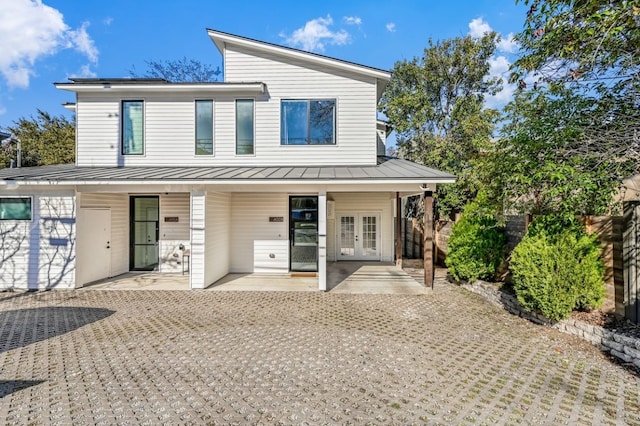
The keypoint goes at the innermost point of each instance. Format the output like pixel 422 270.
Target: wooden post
pixel 398 230
pixel 428 239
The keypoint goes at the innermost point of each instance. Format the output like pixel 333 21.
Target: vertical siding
pixel 250 224
pixel 217 236
pixel 170 119
pixel 119 205
pixel 197 270
pixel 363 202
pixel 40 253
pixel 173 234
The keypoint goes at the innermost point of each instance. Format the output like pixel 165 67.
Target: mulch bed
pixel 608 321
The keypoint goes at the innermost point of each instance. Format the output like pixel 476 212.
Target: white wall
pixel 217 236
pixel 119 205
pixel 40 253
pixel 250 224
pixel 173 234
pixel 170 120
pixel 363 202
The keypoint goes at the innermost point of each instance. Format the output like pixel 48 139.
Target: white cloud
pixel 31 30
pixel 316 34
pixel 498 64
pixel 477 28
pixel 391 27
pixel 353 20
pixel 83 43
pixel 84 72
pixel 107 21
pixel 508 44
pixel 499 67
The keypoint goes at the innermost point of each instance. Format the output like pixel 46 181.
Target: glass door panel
pixel 144 233
pixel 347 236
pixel 303 233
pixel 369 236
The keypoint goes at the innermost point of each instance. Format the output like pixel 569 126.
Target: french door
pixel 358 236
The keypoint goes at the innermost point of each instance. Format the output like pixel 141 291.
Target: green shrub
pixel 476 247
pixel 557 268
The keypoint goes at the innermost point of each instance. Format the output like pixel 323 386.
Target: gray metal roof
pixel 387 169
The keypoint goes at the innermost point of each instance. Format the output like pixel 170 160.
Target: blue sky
pixel 47 41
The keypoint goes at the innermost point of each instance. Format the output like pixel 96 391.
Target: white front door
pixel 93 251
pixel 358 236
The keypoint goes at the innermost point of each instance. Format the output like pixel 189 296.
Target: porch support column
pixel 398 230
pixel 428 239
pixel 196 260
pixel 322 241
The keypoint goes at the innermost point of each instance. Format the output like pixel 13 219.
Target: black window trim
pixel 144 128
pixel 29 197
pixel 309 100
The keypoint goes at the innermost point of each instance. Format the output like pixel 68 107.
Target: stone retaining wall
pixel 621 346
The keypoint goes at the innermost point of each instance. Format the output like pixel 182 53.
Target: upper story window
pixel 204 127
pixel 308 122
pixel 244 127
pixel 132 127
pixel 15 208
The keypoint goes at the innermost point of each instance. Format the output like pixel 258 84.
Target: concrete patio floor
pixel 342 277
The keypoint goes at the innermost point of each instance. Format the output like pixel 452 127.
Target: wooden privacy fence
pixel 609 229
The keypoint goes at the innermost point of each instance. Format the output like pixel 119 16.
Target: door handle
pixel 356 238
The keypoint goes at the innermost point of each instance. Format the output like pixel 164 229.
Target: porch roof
pixel 387 170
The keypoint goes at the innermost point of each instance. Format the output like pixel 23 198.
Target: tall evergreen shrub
pixel 477 244
pixel 557 268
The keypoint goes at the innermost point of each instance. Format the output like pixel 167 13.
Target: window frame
pixel 253 118
pixel 26 197
pixel 144 129
pixel 213 127
pixel 308 138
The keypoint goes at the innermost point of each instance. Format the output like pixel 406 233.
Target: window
pixel 204 127
pixel 308 122
pixel 244 127
pixel 15 208
pixel 132 127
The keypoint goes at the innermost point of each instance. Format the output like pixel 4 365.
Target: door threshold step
pixel 303 274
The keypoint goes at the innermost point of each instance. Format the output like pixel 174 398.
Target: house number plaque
pixel 171 219
pixel 276 218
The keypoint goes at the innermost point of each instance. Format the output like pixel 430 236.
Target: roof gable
pixel 222 39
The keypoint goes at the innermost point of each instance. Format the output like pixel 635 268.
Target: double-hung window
pixel 15 208
pixel 308 122
pixel 132 127
pixel 244 127
pixel 204 127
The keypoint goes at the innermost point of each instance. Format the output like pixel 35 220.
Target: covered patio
pixel 342 277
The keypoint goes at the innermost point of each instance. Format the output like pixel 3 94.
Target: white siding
pixel 250 224
pixel 217 236
pixel 271 256
pixel 119 205
pixel 40 253
pixel 197 269
pixel 363 202
pixel 173 234
pixel 170 120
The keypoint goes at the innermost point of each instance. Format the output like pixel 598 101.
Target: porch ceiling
pixel 387 170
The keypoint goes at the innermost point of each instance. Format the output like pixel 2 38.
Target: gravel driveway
pixel 150 357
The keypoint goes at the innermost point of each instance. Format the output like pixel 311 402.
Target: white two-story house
pixel 278 169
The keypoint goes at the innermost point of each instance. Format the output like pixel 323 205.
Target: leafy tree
pixel 544 161
pixel 436 105
pixel 45 140
pixel 179 70
pixel 583 56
